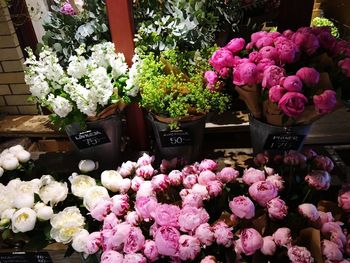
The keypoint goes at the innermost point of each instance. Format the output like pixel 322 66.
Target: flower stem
pixel 306 196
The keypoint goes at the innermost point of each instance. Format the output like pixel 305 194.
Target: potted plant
pixel 84 97
pixel 173 91
pixel 287 80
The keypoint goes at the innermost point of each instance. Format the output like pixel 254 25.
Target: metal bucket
pixel 100 141
pixel 185 143
pixel 276 139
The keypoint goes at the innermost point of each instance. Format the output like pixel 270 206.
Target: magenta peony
pixel 272 76
pixel 292 83
pixel 245 74
pixel 222 58
pixel 292 103
pixel 345 66
pixel 309 76
pixel 235 45
pixel 276 93
pixel 325 102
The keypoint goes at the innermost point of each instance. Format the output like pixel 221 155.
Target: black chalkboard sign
pixel 90 138
pixel 176 138
pixel 284 142
pixel 25 257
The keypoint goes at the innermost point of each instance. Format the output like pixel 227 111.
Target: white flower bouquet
pixel 91 87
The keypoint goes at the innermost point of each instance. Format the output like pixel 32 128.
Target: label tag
pixel 176 138
pixel 284 142
pixel 90 138
pixel 25 257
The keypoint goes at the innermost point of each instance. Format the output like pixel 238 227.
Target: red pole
pixel 122 30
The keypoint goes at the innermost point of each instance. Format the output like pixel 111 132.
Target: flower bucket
pixel 265 136
pixel 186 142
pixel 100 141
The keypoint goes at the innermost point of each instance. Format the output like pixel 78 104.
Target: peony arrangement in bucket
pixel 287 78
pixel 92 86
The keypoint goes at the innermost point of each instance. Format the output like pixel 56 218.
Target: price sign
pixel 25 257
pixel 176 138
pixel 90 138
pixel 284 142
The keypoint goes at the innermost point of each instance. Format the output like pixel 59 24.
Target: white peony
pixel 44 212
pixel 94 195
pixel 66 224
pixel 125 185
pixel 112 180
pixel 23 156
pixel 1 171
pixel 53 193
pixel 47 179
pixel 22 200
pixel 86 166
pixel 23 220
pixel 15 149
pixel 8 213
pixel 80 184
pixel 79 241
pixel 9 163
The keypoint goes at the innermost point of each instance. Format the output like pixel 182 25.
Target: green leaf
pixel 6 234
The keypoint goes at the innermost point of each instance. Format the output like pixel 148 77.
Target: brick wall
pixel 13 90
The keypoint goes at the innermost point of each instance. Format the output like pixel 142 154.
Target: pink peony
pixel 223 234
pixel 111 256
pixel 282 237
pixel 125 185
pixel 189 247
pixel 150 250
pixel 127 168
pixel 120 204
pixel 146 189
pixel 292 103
pixel 208 259
pixel 288 33
pixel 298 254
pixel 269 246
pixel 222 58
pixel 277 208
pixel 262 65
pixel 292 83
pixel 101 210
pixel 214 188
pixel 192 200
pixel 307 42
pixel 191 217
pixel 211 77
pixel 335 231
pixel 323 162
pixel 133 218
pixel 204 234
pixel 145 206
pixel 294 158
pixel 277 181
pixel 153 229
pixel 120 235
pixel 253 56
pixel 110 221
pixel 205 177
pixel 134 258
pixel 325 102
pixel 145 159
pixel 207 164
pixel 320 180
pixel 108 242
pixel 236 45
pixel 331 251
pixel 253 175
pixel 190 180
pixel 261 159
pixel 145 171
pixel 175 177
pixel 201 190
pixel 251 241
pixel 167 215
pixel 257 35
pixel 309 211
pixel 160 182
pixel 276 93
pixel 345 66
pixel 262 192
pixel 269 53
pixel 166 165
pixel 136 183
pixel 134 241
pixel 309 76
pixel 264 41
pixel 167 241
pixel 242 207
pixel 227 175
pixel 272 76
pixel 269 171
pixel 93 242
pixel 67 9
pixel 191 169
pixel 325 217
pixel 287 51
pixel 245 74
pixel 344 198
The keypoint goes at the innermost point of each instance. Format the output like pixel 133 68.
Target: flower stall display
pixel 84 96
pixel 285 79
pixel 172 91
pixel 72 23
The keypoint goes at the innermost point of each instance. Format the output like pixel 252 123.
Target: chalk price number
pixel 176 138
pixel 90 138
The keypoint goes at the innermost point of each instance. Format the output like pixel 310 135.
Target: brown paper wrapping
pixel 181 119
pixel 311 239
pixel 250 94
pixel 274 115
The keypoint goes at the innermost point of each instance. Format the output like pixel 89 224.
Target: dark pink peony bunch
pixel 148 223
pixel 278 62
pixel 67 9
